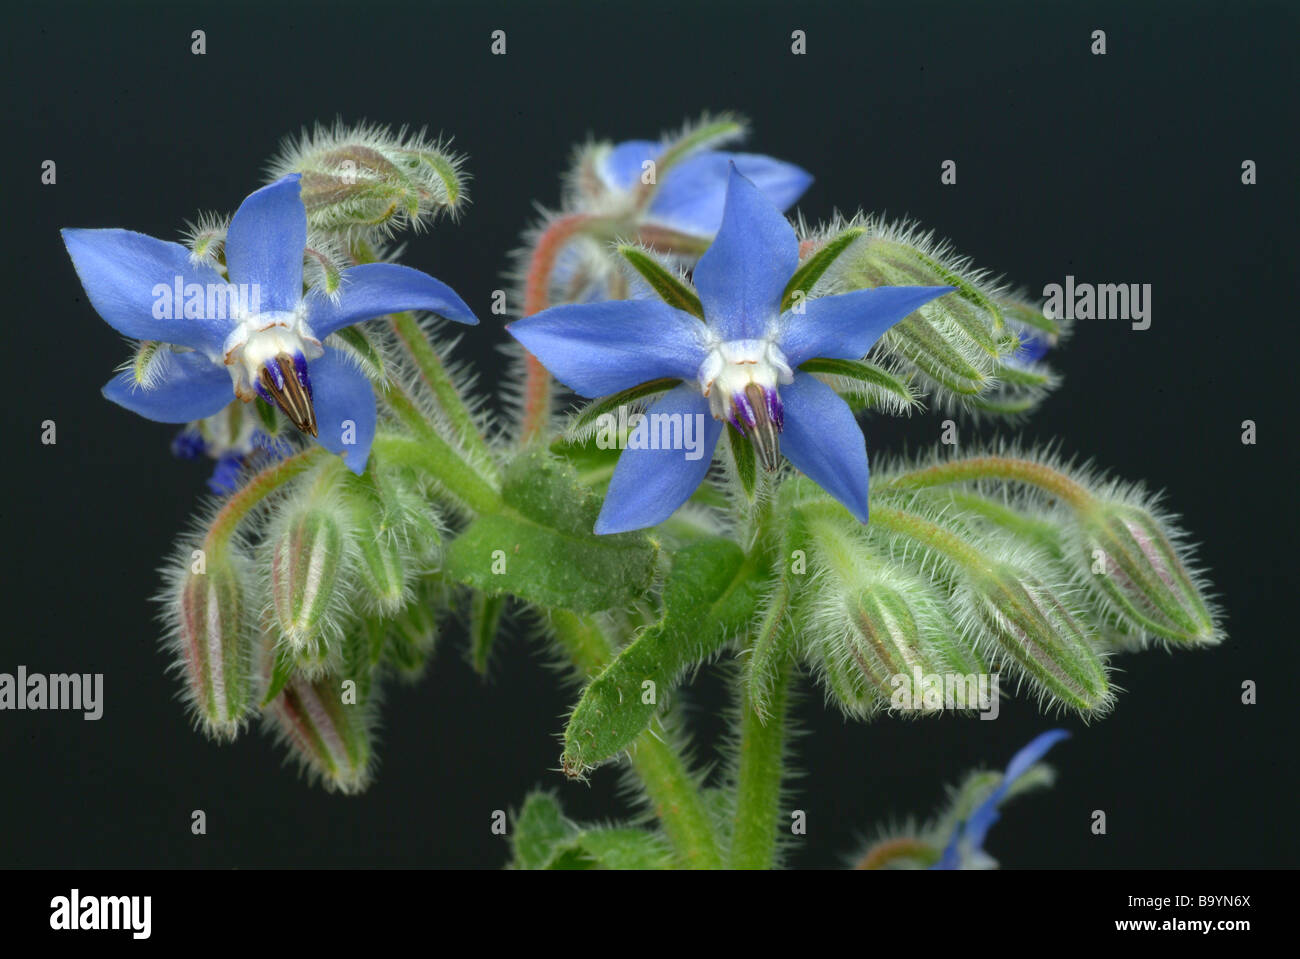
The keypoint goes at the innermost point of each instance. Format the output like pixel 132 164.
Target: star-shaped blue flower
pixel 741 365
pixel 966 847
pixel 254 332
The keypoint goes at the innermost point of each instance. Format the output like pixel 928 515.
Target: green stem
pixel 677 802
pixel 254 491
pixel 435 456
pixel 431 369
pixel 996 467
pixel 668 783
pixel 434 375
pixel 758 781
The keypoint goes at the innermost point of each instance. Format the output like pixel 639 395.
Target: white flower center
pixel 740 378
pixel 260 338
pixel 734 365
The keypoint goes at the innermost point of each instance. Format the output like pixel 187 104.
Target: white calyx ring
pixel 741 380
pixel 266 355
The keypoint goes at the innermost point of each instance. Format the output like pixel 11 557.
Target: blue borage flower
pixel 254 331
pixel 683 213
pixel 689 198
pixel 740 366
pixel 965 850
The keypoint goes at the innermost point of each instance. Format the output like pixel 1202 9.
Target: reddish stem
pixel 537 383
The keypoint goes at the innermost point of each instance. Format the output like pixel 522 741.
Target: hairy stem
pixel 668 783
pixel 432 372
pixel 537 381
pixel 434 375
pixel 255 490
pixel 996 467
pixel 758 780
pixel 433 455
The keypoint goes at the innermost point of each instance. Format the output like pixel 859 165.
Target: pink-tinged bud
pixel 214 644
pixel 1136 567
pixel 307 556
pixel 896 648
pixel 326 724
pixel 1036 628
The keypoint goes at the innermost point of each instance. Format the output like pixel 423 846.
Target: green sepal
pixel 484 622
pixel 878 382
pixel 744 461
pixel 811 270
pixel 372 360
pixel 267 416
pixel 588 418
pixel 282 671
pixel 670 288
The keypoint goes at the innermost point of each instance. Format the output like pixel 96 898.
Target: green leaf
pixel 806 277
pixel 710 595
pixel 484 620
pixel 544 839
pixel 539 828
pixel 541 548
pixel 670 288
pixel 743 458
pixel 587 420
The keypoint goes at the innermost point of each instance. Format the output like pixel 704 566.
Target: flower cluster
pixel 366 496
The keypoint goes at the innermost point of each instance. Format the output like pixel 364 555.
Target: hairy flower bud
pixel 368 180
pixel 308 557
pixel 897 647
pixel 1034 626
pixel 960 345
pixel 1136 568
pixel 327 727
pixel 210 635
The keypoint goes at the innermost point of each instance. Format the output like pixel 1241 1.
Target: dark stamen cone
pixel 288 386
pixel 765 433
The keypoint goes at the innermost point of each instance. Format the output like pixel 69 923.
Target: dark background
pixel 1116 168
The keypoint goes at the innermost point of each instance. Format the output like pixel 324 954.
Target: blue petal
pixel 189 387
pixel 129 276
pixel 741 277
pixel 600 348
pixel 1034 345
pixel 265 243
pixel 692 194
pixel 376 289
pixel 225 475
pixel 986 814
pixel 847 325
pixel 345 408
pixel 648 485
pixel 621 167
pixel 823 440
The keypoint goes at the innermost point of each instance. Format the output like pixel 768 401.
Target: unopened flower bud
pixel 955 341
pixel 214 645
pixel 307 560
pixel 370 180
pixel 897 646
pixel 1035 627
pixel 1136 566
pixel 327 727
